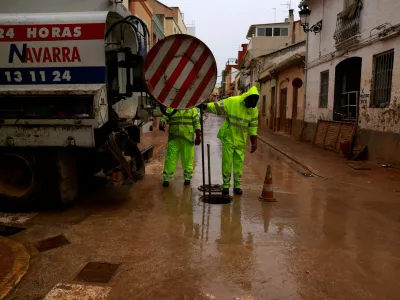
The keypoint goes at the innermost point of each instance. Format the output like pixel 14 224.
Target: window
pixel 324 88
pixel 281 31
pixel 382 79
pixel 264 105
pixel 261 31
pixel 277 31
pixel 264 31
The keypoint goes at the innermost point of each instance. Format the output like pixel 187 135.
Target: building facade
pixel 171 17
pixel 275 57
pixel 281 75
pixel 266 38
pixel 353 72
pixel 143 10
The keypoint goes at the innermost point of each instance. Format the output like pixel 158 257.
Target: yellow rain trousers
pixel 240 122
pixel 182 127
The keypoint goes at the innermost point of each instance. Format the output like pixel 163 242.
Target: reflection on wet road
pixel 321 240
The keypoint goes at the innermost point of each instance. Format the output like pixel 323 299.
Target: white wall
pixel 322 56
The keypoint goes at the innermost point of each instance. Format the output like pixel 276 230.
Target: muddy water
pixel 321 240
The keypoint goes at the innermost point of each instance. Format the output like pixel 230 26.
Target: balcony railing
pixel 348 23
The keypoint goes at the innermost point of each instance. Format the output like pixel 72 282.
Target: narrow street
pixel 323 239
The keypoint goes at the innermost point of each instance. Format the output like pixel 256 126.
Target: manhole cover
pixel 97 272
pixel 217 199
pixel 51 243
pixel 9 230
pixel 215 188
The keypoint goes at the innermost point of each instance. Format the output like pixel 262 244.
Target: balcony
pixel 348 23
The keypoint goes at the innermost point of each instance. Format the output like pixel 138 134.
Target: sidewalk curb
pixel 19 269
pixel 294 159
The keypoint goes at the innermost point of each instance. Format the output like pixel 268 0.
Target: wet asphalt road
pixel 322 240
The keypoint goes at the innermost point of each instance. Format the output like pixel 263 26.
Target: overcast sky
pixel 223 24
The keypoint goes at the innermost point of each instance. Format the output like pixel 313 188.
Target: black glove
pixel 161 127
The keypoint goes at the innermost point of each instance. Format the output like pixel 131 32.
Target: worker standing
pixel 241 120
pixel 183 125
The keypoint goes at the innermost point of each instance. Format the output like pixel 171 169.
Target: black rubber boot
pixel 238 191
pixel 225 191
pixel 187 182
pixel 165 184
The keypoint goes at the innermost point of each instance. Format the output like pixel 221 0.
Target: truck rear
pixel 76 84
pixel 70 87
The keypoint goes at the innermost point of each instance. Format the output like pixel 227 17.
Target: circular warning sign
pixel 180 71
pixel 297 83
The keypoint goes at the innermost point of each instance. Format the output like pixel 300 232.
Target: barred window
pixel 382 79
pixel 324 89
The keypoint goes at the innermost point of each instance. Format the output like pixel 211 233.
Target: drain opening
pixel 51 243
pixel 9 230
pixel 97 272
pixel 215 188
pixel 217 199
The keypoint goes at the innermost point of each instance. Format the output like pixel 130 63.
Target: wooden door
pixel 294 108
pixel 282 109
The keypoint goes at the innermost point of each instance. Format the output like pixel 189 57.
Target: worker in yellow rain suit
pixel 241 120
pixel 182 127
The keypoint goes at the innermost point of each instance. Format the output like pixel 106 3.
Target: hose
pixel 165 113
pixel 113 147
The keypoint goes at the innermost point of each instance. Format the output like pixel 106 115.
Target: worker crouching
pixel 241 120
pixel 183 126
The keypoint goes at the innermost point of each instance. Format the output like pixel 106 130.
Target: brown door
pixel 271 112
pixel 282 109
pixel 294 108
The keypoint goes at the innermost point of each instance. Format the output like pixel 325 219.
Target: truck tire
pixel 20 183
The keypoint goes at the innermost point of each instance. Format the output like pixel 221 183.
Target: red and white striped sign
pixel 180 71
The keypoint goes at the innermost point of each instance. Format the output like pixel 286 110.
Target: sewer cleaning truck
pixel 77 81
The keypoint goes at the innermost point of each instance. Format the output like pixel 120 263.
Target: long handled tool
pixel 202 153
pixel 209 172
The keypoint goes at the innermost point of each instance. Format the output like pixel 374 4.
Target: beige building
pixel 275 57
pixel 281 74
pixel 266 38
pixel 171 18
pixel 143 10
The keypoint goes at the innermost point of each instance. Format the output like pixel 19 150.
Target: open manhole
pixel 215 188
pixel 51 243
pixel 9 230
pixel 97 272
pixel 216 199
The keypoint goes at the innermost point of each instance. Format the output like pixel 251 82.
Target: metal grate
pixel 324 90
pixel 348 23
pixel 382 79
pixel 215 188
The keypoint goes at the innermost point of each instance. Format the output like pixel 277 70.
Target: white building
pixel 353 71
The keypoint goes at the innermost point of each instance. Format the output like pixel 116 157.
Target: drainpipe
pixel 305 89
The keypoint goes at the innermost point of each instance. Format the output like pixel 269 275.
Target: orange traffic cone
pixel 267 194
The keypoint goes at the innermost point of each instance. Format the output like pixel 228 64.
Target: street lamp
pixel 305 13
